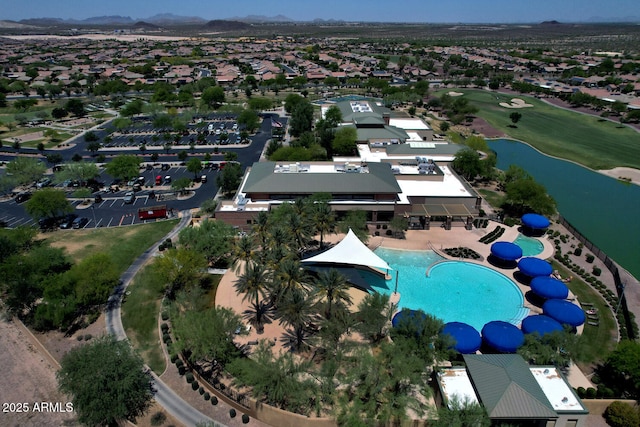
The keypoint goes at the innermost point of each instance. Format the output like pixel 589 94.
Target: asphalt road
pixel 174 404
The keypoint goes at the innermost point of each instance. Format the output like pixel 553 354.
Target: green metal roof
pixel 263 179
pixel 507 388
pixel 386 132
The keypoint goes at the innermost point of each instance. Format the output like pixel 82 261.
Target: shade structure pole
pixel 397 274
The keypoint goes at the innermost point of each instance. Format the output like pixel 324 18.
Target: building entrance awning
pixel 444 209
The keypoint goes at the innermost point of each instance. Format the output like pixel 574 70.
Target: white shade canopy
pixel 350 250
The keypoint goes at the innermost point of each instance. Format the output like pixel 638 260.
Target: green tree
pixel 182 268
pixel 207 335
pixel 229 179
pixel 333 287
pixel 181 185
pixel 526 195
pixel 25 170
pixel 344 143
pixel 253 284
pixel 77 171
pixel 462 414
pixel 249 119
pixel 107 382
pixel 291 101
pixel 260 104
pixel 323 219
pixel 296 311
pixel 515 117
pixel 621 370
pixel 124 166
pixel 194 165
pixel 48 203
pixel 356 221
pixel 132 108
pixel 212 239
pixel 467 163
pixel 75 106
pixel 213 96
pixel 374 311
pixel 301 118
pixel 620 414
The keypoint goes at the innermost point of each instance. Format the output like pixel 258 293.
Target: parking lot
pixel 111 209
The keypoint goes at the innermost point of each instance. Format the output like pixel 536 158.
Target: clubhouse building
pixel 399 171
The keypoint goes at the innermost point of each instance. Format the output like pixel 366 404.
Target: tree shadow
pixel 259 315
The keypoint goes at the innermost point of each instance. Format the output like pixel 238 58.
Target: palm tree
pixel 253 284
pixel 296 311
pixel 332 286
pixel 243 252
pixel 300 231
pixel 290 275
pixel 324 220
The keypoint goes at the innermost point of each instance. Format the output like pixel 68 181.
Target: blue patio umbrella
pixel 502 336
pixel 407 315
pixel 466 337
pixel 535 221
pixel 533 267
pixel 541 324
pixel 507 251
pixel 549 288
pixel 564 312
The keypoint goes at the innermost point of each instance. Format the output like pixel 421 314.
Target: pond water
pixel 603 209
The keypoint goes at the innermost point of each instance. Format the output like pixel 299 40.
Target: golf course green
pixel 591 141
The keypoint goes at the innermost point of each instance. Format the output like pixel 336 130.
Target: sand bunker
pixel 515 103
pixel 455 94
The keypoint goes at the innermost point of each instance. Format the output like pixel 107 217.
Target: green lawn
pixel 140 312
pixel 596 342
pixel 123 244
pixel 588 140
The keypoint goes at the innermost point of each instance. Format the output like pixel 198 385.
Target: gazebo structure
pixel 564 312
pixel 534 267
pixel 502 336
pixel 540 324
pixel 549 288
pixel 467 339
pixel 534 224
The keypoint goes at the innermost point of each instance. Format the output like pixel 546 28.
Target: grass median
pixel 588 140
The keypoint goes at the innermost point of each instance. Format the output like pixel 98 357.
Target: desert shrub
pixel 181 370
pixel 195 385
pixel 206 396
pixel 245 419
pixel 214 400
pixel 164 327
pixel 591 393
pixel 582 392
pixel 165 316
pixel 87 337
pixel 596 271
pixel 158 419
pixel 80 337
pixel 620 414
pixel 201 390
pixel 589 258
pixel 189 377
pixel 232 413
pixel 577 251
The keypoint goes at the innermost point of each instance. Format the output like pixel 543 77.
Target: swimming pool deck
pixel 435 239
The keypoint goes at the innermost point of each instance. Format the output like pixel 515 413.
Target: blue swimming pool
pixel 530 246
pixel 453 290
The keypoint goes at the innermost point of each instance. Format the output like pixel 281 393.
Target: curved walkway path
pixel 167 398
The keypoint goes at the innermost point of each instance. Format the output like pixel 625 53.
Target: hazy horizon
pixel 418 11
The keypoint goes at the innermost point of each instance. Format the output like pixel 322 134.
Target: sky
pixel 425 11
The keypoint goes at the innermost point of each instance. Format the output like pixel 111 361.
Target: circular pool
pixel 454 291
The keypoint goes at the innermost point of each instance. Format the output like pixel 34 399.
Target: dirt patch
pixel 452 93
pixel 29 378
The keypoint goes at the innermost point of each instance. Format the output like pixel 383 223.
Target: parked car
pixel 167 179
pixel 129 198
pixel 203 179
pixel 43 182
pixel 22 197
pixel 80 222
pixel 67 222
